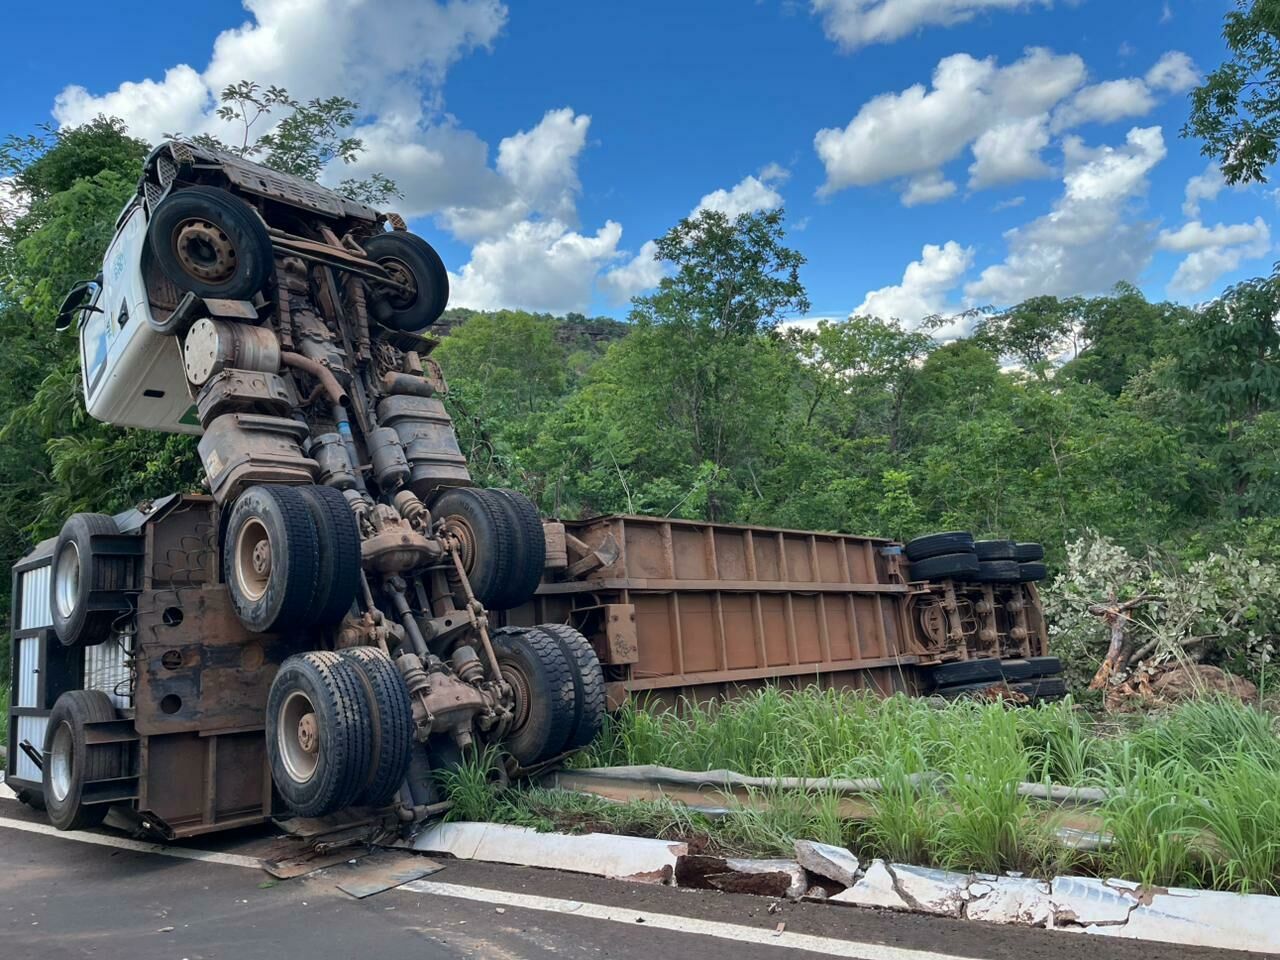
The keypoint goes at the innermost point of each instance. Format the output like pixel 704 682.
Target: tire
pixel 1031 572
pixel 410 259
pixel 338 543
pixel 985 670
pixel 391 725
pixel 996 549
pixel 1028 552
pixel 588 683
pixel 211 243
pixel 1044 689
pixel 961 690
pixel 1030 668
pixel 963 566
pixel 93 579
pixel 537 669
pixel 274 521
pixel 998 571
pixel 938 544
pixel 529 550
pixel 328 777
pixel 482 522
pixel 69 763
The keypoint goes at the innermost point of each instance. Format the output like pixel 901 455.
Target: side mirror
pixel 78 300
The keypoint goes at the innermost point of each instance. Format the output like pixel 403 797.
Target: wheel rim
pixel 401 273
pixel 66 579
pixel 204 250
pixel 466 537
pixel 519 684
pixel 59 761
pixel 298 737
pixel 253 559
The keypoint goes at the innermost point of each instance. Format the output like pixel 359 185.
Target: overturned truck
pixel 343 613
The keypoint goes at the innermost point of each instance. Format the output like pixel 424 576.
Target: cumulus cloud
pixel 541 266
pixel 1202 186
pixel 1009 152
pixel 924 287
pixel 1084 244
pixel 1105 103
pixel 857 23
pixel 748 195
pixel 1213 251
pixel 641 273
pixel 929 187
pixel 919 130
pixel 1174 72
pixel 1006 116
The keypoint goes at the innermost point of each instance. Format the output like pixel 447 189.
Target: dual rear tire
pixel 501 542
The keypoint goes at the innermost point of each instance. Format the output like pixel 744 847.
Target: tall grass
pixel 1195 791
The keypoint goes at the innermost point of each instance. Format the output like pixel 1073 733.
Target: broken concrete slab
pixel 603 855
pixel 826 860
pixel 766 878
pixel 1010 900
pixel 902 887
pixel 1087 901
pixel 1202 918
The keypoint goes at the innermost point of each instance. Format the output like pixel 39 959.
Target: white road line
pixel 678 924
pixel 124 843
pixel 576 908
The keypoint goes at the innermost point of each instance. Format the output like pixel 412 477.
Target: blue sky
pixel 930 156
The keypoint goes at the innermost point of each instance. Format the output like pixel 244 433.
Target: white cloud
pixel 178 103
pixel 1009 204
pixel 857 23
pixel 1105 103
pixel 1213 251
pixel 1175 72
pixel 748 195
pixel 929 187
pixel 1084 244
pixel 1202 186
pixel 1009 152
pixel 642 272
pixel 919 129
pixel 924 286
pixel 541 266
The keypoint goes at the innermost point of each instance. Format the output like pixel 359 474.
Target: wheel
pixel 995 549
pixel 947 566
pixel 529 550
pixel 1030 668
pixel 588 683
pixel 319 739
pixel 986 670
pixel 414 263
pixel 211 243
pixel 1044 689
pixel 483 525
pixel 338 542
pixel 1031 572
pixel 998 571
pixel 937 544
pixel 539 673
pixel 270 558
pixel 69 762
pixel 1028 552
pixel 391 725
pixel 94 574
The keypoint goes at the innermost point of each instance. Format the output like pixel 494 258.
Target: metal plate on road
pixel 384 872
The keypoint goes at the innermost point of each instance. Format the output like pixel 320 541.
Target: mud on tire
pixel 319 739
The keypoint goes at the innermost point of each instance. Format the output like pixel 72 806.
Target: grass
pixel 4 715
pixel 1195 791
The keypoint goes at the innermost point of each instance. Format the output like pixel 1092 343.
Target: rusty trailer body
pixel 679 608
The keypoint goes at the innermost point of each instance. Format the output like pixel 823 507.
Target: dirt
pixel 1191 681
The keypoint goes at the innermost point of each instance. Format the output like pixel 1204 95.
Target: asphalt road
pixel 67 898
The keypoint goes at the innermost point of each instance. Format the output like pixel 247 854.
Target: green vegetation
pixel 1194 792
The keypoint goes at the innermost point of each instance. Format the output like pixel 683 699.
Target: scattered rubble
pixel 766 878
pixel 827 861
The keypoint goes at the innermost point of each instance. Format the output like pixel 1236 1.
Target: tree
pixel 1236 110
pixel 304 142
